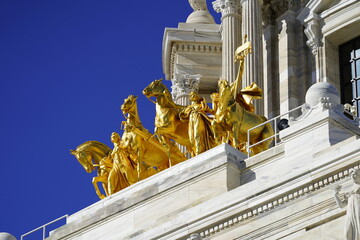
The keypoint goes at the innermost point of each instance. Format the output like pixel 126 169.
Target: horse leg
pixel 166 143
pixel 95 182
pixel 176 156
pixel 217 132
pixel 141 168
pixel 235 139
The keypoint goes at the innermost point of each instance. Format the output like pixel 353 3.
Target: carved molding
pixel 227 7
pixel 191 47
pixel 195 236
pixel 183 84
pixel 272 9
pixel 313 33
pixel 267 206
pixel 198 5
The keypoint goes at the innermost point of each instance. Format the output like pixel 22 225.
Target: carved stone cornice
pixel 327 181
pixel 313 33
pixel 272 9
pixel 191 47
pixel 227 7
pixel 183 84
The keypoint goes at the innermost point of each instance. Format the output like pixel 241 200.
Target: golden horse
pixel 92 155
pixel 232 118
pixel 141 144
pixel 167 122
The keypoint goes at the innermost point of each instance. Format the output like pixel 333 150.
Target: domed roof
pixel 6 236
pixel 200 16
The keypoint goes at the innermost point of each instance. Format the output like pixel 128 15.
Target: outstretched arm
pixel 341 203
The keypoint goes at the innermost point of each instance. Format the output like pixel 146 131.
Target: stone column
pixel 288 61
pixel 231 35
pixel 271 72
pixel 182 85
pixel 252 26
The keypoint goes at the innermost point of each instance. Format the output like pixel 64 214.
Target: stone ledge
pixel 218 168
pixel 247 203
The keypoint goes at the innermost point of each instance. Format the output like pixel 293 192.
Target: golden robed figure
pixel 138 154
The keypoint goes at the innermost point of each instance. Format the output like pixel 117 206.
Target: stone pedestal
pixel 134 212
pixel 193 49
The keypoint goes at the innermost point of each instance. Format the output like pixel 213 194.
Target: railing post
pixel 43 227
pixel 276 131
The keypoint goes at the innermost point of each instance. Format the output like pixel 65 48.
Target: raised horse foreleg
pixel 103 179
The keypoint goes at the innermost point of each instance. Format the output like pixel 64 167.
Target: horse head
pixel 225 93
pixel 84 159
pixel 129 102
pixel 154 89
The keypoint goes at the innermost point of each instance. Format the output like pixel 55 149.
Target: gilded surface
pixel 92 156
pixel 167 121
pixel 200 132
pixel 138 154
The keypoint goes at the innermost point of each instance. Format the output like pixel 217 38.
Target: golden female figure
pixel 200 132
pixel 123 173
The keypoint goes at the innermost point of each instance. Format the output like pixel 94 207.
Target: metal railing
pixel 43 227
pixel 274 122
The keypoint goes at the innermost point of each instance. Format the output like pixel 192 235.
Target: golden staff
pixel 240 54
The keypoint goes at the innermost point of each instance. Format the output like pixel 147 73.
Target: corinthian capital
pixel 227 7
pixel 183 84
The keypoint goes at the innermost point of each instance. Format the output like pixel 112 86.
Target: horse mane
pixel 168 97
pixel 100 145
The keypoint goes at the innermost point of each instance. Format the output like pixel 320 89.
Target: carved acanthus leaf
pixel 227 7
pixel 273 9
pixel 183 84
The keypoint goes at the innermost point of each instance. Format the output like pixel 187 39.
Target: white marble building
pixel 286 192
pixel 296 44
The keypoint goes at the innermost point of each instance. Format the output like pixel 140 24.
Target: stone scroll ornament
pixel 198 5
pixel 352 201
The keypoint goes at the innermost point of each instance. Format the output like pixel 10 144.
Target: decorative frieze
pixel 191 47
pixel 280 201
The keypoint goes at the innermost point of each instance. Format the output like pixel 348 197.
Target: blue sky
pixel 65 68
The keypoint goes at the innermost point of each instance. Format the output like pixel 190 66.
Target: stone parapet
pixel 157 200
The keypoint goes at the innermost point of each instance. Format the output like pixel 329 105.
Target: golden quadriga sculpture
pixel 138 154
